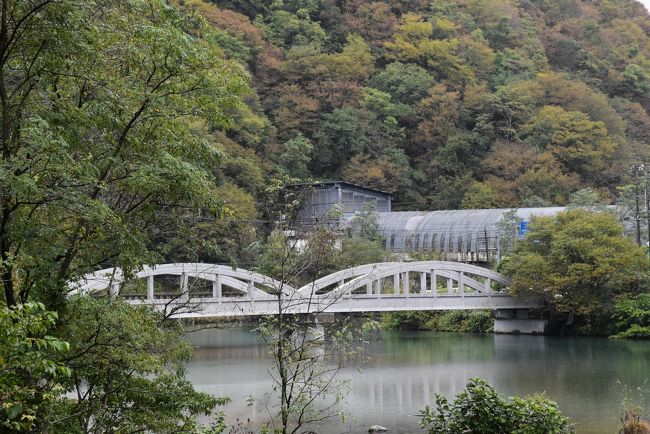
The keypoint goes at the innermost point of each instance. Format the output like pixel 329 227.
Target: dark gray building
pixel 321 197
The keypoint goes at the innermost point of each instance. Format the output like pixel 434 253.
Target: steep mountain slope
pixel 445 103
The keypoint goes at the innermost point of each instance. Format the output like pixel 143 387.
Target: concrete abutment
pixel 518 321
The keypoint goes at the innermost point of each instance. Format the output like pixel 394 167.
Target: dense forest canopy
pixel 444 103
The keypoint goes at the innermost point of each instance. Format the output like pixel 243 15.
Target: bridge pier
pixel 518 321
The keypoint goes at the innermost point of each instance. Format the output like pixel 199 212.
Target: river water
pixel 584 375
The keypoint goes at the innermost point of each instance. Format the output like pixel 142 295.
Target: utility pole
pixel 637 215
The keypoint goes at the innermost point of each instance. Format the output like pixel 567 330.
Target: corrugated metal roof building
pixel 474 235
pixel 469 235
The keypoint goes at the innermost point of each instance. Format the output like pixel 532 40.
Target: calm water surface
pixel 406 368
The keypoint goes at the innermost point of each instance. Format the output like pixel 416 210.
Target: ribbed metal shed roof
pixel 455 231
pixel 454 221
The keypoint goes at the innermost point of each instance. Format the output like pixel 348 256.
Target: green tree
pixel 284 29
pixel 296 157
pixel 587 198
pixel 98 108
pixel 406 83
pixel 479 196
pixel 480 409
pixel 127 372
pixel 581 262
pixel 370 131
pixel 579 144
pixel 414 42
pixel 365 224
pixel 305 368
pixel 30 374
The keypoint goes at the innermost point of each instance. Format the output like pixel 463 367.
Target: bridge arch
pixel 463 275
pixel 243 281
pixel 467 287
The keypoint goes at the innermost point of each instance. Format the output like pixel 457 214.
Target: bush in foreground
pixel 480 409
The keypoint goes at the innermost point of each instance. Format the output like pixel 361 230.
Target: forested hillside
pixel 444 103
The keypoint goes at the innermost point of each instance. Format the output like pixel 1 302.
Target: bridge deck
pixel 207 307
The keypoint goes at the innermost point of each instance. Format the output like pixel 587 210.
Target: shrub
pixel 408 320
pixel 632 317
pixel 451 321
pixel 480 409
pixel 479 321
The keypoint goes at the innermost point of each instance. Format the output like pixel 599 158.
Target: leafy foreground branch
pixel 480 409
pixel 106 367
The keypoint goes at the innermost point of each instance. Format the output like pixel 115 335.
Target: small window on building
pixel 442 247
pixel 392 241
pixel 425 242
pixel 433 241
pixel 417 242
pixel 460 243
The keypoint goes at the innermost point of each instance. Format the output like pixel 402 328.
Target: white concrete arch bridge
pixel 196 290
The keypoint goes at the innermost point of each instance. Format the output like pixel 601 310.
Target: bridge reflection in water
pixel 211 290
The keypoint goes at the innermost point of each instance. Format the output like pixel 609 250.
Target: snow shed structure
pixel 473 235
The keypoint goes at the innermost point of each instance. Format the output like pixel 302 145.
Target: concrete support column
pixel 185 296
pixel 434 283
pixel 488 285
pixel 369 288
pixel 423 283
pixel 216 288
pixel 250 288
pixel 406 283
pixel 461 283
pixel 396 283
pixel 520 326
pixel 450 285
pixel 150 289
